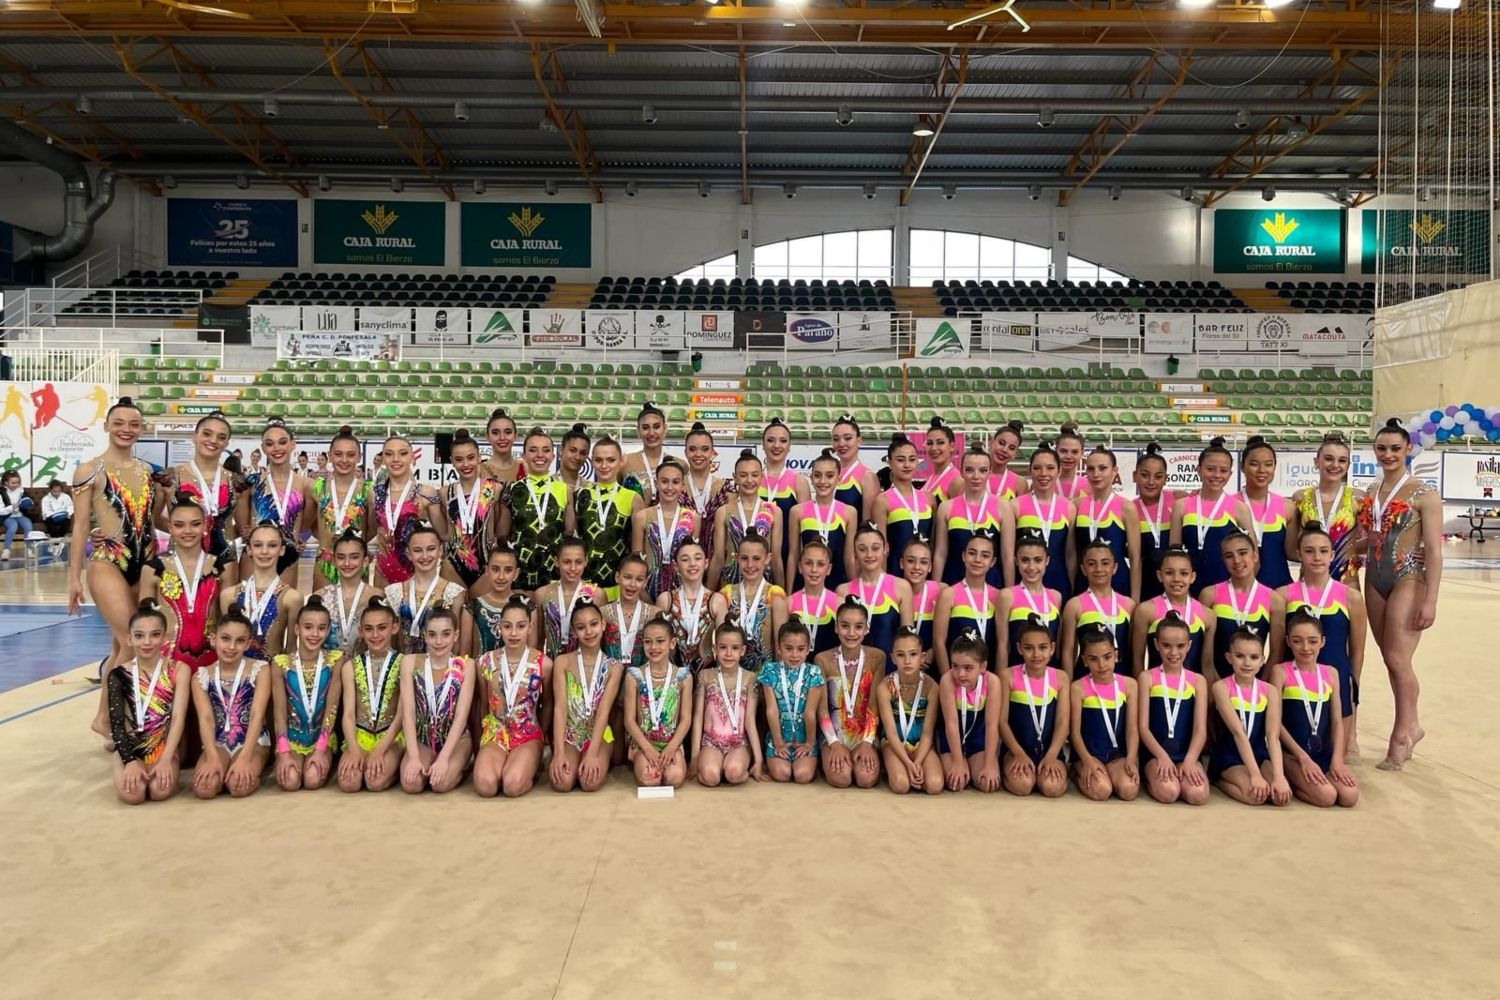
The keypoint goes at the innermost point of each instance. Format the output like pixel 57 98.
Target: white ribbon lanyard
pixel 375 682
pixel 511 682
pixel 468 506
pixel 910 504
pixel 393 510
pixel 1038 709
pixel 1112 620
pixel 811 616
pixel 1041 612
pixel 700 497
pixel 1257 521
pixel 566 614
pixel 735 706
pixel 209 495
pixel 656 698
pixel 228 700
pixel 648 467
pixel 968 708
pixel 341 505
pixel 907 717
pixel 1247 714
pixel 603 500
pixel 1325 515
pixel 1213 515
pixel 1186 614
pixel 258 602
pixel 661 531
pixel 1314 715
pixel 433 701
pixel 143 701
pixel 825 521
pixel 590 699
pixel 1173 706
pixel 346 614
pixel 920 606
pixel 418 610
pixel 847 708
pixel 627 636
pixel 1111 725
pixel 309 698
pixel 189 588
pixel 797 696
pixel 1046 519
pixel 1094 519
pixel 1153 522
pixel 745 521
pixel 1316 610
pixel 749 612
pixel 280 499
pixel 858 589
pixel 539 501
pixel 1378 507
pixel 692 614
pixel 981 608
pixel 1242 615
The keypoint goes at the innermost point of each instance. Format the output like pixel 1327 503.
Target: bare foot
pixel 1396 754
pixel 1411 744
pixel 1351 745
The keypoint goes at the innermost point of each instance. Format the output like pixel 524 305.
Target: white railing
pixel 103 268
pixel 48 306
pixel 122 342
pixel 39 364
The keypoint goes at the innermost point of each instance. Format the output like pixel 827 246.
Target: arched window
pixel 856 254
pixel 719 267
pixel 941 255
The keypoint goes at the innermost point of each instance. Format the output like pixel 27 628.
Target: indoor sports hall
pixel 854 498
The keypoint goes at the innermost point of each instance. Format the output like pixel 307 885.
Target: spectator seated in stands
pixel 15 510
pixel 57 511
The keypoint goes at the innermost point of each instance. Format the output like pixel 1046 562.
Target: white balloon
pixel 1446 423
pixel 1461 417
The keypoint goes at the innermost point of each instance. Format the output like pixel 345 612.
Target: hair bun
pixel 125 401
pixel 827 453
pixel 1016 426
pixel 149 604
pixel 1216 442
pixel 748 453
pixel 1069 425
pixel 697 426
pixel 377 601
pixel 936 423
pixel 1253 440
pixel 461 436
pixel 1152 448
pixel 312 601
pixel 345 429
pixel 579 428
pixel 1394 423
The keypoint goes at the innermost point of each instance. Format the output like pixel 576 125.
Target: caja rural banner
pixel 1278 241
pixel 344 345
pixel 505 234
pixel 48 429
pixel 1454 242
pixel 379 233
pixel 231 232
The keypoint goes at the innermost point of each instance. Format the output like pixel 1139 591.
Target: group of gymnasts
pixel 974 627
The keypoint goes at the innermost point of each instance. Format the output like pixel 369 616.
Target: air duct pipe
pixel 82 205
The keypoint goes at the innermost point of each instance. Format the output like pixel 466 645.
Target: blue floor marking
pixel 55 701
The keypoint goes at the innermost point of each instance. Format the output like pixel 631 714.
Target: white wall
pixel 1148 234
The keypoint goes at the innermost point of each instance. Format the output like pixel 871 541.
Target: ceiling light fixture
pixel 242 182
pixel 790 190
pixel 1046 118
pixel 324 184
pixel 1268 193
pixel 1008 8
pixel 950 191
pixel 1187 193
pixel 1273 4
pixel 648 114
pixel 703 188
pixel 461 110
pixel 169 182
pixel 1447 4
pixel 550 187
pixel 479 185
pixel 870 190
pixel 397 185
pixel 85 106
pixel 1242 119
pixel 1296 129
pixel 845 116
pixel 272 107
pixel 1114 192
pixel 1196 3
pixel 923 128
pixel 632 189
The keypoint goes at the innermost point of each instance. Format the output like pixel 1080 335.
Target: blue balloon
pixel 1443 434
pixel 1493 434
pixel 1435 416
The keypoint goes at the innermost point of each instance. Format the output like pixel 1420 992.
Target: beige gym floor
pixel 766 891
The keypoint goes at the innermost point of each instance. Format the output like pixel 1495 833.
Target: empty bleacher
pixel 740 293
pixel 957 297
pixel 1352 296
pixel 151 293
pixel 447 290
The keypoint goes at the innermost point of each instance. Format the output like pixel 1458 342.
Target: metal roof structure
pixel 819 93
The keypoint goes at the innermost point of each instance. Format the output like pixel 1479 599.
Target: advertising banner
pixel 385 319
pixel 656 330
pixel 1168 333
pixel 1455 241
pixel 864 330
pixel 1182 467
pixel 506 234
pixel 1218 332
pixel 1007 331
pixel 342 345
pixel 48 429
pixel 328 319
pixel 937 337
pixel 1270 332
pixel 1115 325
pixel 379 233
pixel 496 327
pixel 609 329
pixel 709 329
pixel 1279 241
pixel 437 326
pixel 234 321
pixel 1327 335
pixel 759 329
pixel 1060 331
pixel 810 331
pixel 266 322
pixel 230 232
pixel 1471 475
